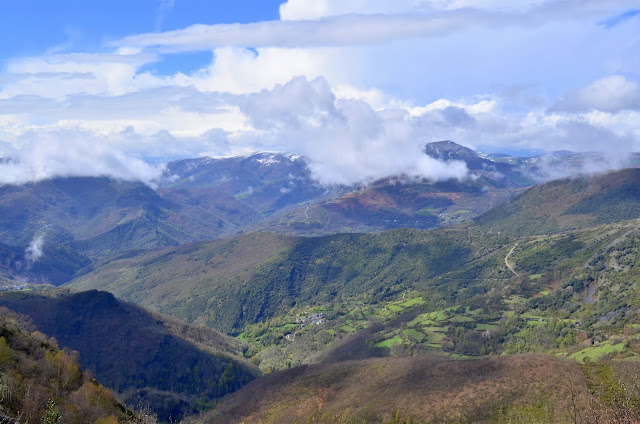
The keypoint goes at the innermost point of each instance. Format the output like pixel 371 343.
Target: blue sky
pixel 38 26
pixel 357 86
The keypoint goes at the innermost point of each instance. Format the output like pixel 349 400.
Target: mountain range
pixel 77 220
pixel 341 296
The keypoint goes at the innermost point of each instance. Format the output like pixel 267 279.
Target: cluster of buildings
pixel 313 319
pixel 12 288
pixel 316 319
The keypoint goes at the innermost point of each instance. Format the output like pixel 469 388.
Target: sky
pixel 357 86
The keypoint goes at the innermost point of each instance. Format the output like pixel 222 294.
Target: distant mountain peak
pixel 448 150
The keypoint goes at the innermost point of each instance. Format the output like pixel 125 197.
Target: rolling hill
pixel 403 202
pixel 214 197
pixel 227 284
pixel 395 203
pixel 568 204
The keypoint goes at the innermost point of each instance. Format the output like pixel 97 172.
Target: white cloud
pixel 354 137
pixel 326 24
pixel 58 76
pixel 315 9
pixel 34 251
pixel 40 155
pixel 611 94
pixel 164 8
pixel 239 70
pixel 346 140
pixel 394 75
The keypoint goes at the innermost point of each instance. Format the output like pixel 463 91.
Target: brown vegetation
pixel 524 388
pixel 40 383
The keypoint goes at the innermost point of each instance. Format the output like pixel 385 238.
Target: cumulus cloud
pixel 41 155
pixel 355 137
pixel 346 140
pixel 611 94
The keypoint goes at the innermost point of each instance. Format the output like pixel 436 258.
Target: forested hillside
pixel 41 383
pixel 148 360
pixel 568 204
pixel 460 291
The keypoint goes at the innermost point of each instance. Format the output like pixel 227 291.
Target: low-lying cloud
pixel 34 251
pixel 552 166
pixel 41 155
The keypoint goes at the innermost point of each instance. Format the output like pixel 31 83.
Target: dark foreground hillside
pixel 512 389
pixel 40 383
pixel 144 357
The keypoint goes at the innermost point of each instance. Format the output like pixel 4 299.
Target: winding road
pixel 506 259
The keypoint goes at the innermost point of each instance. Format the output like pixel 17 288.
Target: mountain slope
pixel 568 204
pixel 56 265
pixel 402 202
pixel 399 390
pixel 141 355
pixel 100 216
pixel 39 379
pixel 268 182
pixel 228 283
pixel 456 291
pixel 396 203
pixel 500 171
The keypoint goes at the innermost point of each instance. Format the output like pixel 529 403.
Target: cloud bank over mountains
pixel 356 86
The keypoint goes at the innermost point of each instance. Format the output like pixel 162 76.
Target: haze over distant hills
pixel 89 218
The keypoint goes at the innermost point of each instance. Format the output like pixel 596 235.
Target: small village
pixel 313 319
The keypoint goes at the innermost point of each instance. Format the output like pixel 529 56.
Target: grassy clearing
pixel 347 328
pixel 460 318
pixel 434 337
pixel 475 312
pixel 597 352
pixel 411 302
pixel 486 327
pixel 436 329
pixel 390 342
pixel 534 317
pixel 414 335
pixel 422 319
pixel 438 315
